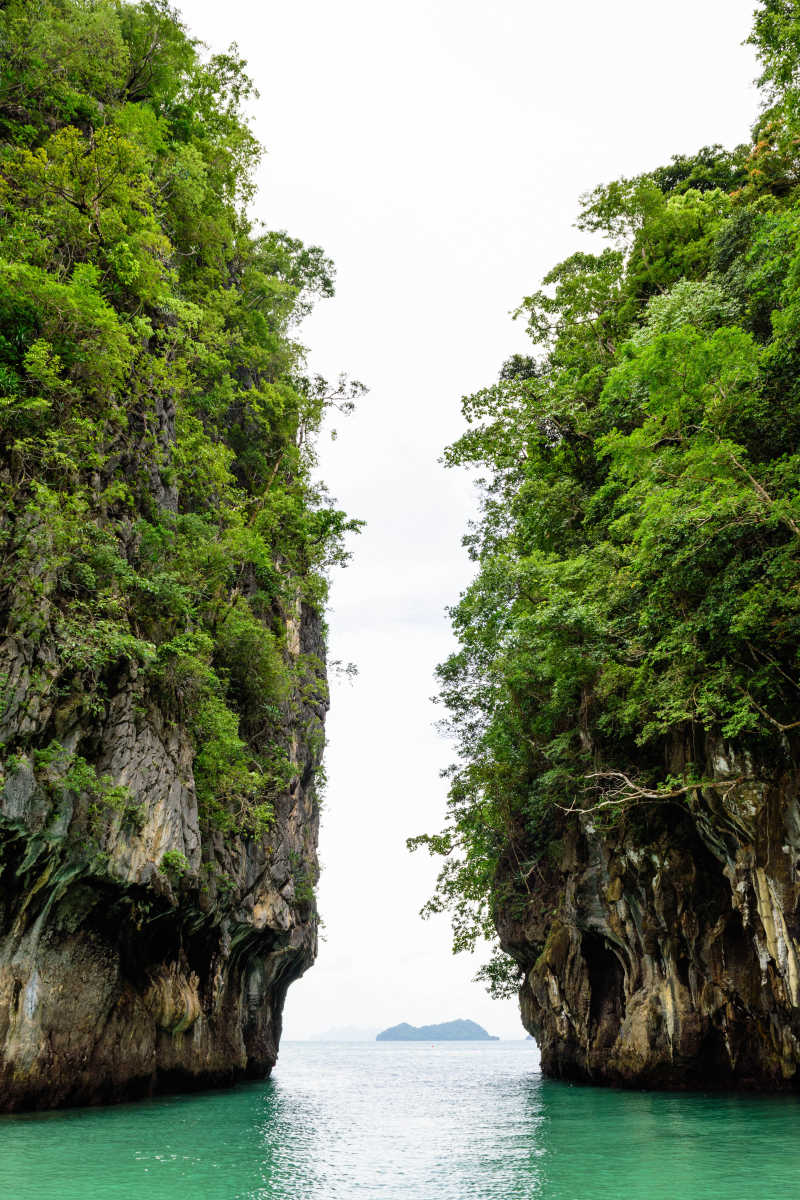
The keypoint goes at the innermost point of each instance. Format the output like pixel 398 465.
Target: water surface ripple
pixel 467 1121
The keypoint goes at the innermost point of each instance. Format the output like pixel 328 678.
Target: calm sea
pixel 468 1121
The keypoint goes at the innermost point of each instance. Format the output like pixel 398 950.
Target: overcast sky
pixel 436 149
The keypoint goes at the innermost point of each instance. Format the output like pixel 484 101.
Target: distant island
pixel 450 1031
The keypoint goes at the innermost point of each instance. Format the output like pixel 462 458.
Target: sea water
pixel 411 1121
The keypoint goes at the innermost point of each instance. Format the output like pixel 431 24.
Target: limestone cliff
pixel 623 695
pixel 151 953
pixel 164 545
pixel 661 950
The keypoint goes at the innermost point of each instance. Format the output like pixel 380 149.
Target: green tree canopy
pixel 637 554
pixel 161 517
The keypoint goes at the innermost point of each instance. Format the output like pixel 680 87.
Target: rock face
pixel 164 548
pixel 662 950
pixel 141 953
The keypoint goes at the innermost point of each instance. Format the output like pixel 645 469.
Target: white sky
pixel 436 150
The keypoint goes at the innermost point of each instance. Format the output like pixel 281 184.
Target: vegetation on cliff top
pixel 638 547
pixel 159 518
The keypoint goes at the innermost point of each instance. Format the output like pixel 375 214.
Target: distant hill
pixel 450 1031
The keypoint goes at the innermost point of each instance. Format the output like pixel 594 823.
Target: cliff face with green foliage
pixel 626 694
pixel 163 550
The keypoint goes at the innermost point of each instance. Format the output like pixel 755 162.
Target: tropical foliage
pixel 638 547
pixel 160 519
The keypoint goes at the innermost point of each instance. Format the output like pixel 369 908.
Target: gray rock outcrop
pixel 662 949
pixel 142 951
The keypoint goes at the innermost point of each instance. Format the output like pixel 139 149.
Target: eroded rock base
pixel 144 949
pixel 663 951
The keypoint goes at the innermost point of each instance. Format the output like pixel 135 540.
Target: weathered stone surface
pixel 663 951
pixel 118 979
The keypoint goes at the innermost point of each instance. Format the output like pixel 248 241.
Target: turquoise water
pixel 468 1121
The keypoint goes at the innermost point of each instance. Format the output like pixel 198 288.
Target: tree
pixel 638 549
pixel 160 516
